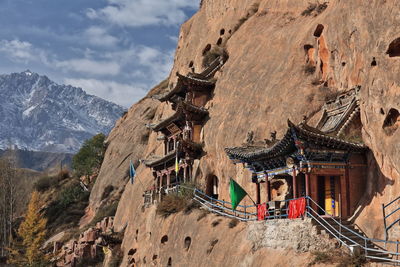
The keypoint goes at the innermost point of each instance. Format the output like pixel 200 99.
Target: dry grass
pixel 211 55
pixel 341 258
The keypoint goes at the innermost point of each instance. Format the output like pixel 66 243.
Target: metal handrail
pixel 220 207
pixel 386 216
pixel 327 226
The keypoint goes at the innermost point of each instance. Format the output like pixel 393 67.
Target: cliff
pixel 285 59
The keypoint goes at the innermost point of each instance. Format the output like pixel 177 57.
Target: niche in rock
pixel 164 239
pixel 391 122
pixel 206 49
pixel 373 62
pixel 219 42
pixel 191 64
pixel 169 264
pixel 132 251
pixel 318 31
pixel 382 111
pixel 307 47
pixel 155 256
pixel 394 48
pixel 188 242
pixel 222 32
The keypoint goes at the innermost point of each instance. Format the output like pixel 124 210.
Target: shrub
pixel 211 55
pixel 171 204
pixel 351 260
pixel 43 184
pixel 62 175
pixel 90 156
pixel 107 191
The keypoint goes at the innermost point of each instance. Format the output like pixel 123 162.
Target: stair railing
pixel 362 243
pixel 387 216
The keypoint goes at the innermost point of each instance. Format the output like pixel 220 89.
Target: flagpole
pixel 137 176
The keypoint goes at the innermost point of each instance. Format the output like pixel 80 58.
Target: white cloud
pixel 17 50
pixel 136 13
pixel 90 66
pixel 120 93
pixel 99 37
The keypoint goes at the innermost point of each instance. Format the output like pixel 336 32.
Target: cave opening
pixel 318 31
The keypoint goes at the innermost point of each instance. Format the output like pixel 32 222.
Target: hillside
pixel 286 59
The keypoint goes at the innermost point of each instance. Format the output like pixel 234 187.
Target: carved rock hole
pixel 191 64
pixel 144 260
pixel 131 261
pixel 212 245
pixel 382 111
pixel 307 47
pixel 155 256
pixel 373 63
pixel 230 31
pixel 222 32
pixel 343 63
pixel 206 49
pixel 318 31
pixel 164 239
pixel 394 48
pixel 219 42
pixel 132 251
pixel 391 122
pixel 169 262
pixel 188 242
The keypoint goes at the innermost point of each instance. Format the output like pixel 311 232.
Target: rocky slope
pixel 265 82
pixel 38 114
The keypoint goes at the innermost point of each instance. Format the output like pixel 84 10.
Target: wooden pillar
pixel 348 194
pixel 184 173
pixel 168 179
pixel 294 182
pixel 314 190
pixel 267 189
pixel 258 197
pixel 307 174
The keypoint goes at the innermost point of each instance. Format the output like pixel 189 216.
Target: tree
pixel 32 233
pixel 8 188
pixel 90 156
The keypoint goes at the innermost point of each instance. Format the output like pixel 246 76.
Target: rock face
pixel 40 115
pixel 285 59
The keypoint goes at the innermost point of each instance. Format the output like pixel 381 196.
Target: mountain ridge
pixel 40 115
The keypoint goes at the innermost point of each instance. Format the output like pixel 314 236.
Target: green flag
pixel 236 192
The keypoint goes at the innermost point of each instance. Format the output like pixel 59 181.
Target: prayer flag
pixel 132 172
pixel 236 192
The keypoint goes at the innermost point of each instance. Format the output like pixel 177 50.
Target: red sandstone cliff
pixel 263 83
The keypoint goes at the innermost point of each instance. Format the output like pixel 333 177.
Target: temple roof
pixel 338 112
pixel 287 144
pixel 160 160
pixel 180 115
pixel 170 157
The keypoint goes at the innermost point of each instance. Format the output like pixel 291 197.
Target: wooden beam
pixel 294 182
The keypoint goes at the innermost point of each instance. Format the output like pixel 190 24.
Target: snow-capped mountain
pixel 38 114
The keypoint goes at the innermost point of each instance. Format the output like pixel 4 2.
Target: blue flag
pixel 132 172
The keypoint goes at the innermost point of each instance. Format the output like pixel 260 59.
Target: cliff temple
pixel 313 161
pixel 181 132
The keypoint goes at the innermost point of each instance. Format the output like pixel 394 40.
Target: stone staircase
pixel 351 236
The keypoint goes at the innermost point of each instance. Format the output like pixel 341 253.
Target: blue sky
pixel 115 49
